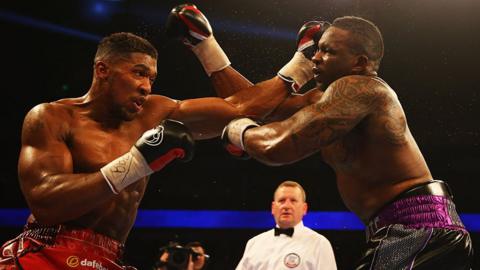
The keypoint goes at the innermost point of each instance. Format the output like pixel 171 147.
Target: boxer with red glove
pixel 188 23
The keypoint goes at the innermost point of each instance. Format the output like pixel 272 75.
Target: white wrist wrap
pixel 236 128
pixel 125 170
pixel 211 55
pixel 298 71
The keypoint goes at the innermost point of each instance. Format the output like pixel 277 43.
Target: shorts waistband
pixel 433 187
pixel 61 235
pixel 426 206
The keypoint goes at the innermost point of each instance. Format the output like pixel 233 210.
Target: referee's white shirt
pixel 305 250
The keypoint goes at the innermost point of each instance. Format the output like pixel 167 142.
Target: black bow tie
pixel 288 232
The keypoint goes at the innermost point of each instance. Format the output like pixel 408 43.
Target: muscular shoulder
pixel 162 101
pixel 160 106
pixel 356 95
pixel 359 86
pixel 46 119
pixel 49 112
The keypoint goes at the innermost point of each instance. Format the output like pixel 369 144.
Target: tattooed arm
pixel 343 105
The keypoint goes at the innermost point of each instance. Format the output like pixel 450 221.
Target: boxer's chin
pixel 128 115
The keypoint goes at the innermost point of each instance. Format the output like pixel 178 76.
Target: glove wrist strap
pixel 125 170
pixel 237 128
pixel 298 71
pixel 211 55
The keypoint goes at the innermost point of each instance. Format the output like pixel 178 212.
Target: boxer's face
pixel 334 58
pixel 288 207
pixel 131 82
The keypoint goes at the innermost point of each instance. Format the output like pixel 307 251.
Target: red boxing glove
pixel 188 23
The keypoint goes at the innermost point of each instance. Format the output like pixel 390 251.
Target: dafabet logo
pixel 74 261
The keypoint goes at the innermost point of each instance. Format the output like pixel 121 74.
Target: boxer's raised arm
pixel 188 23
pixel 229 81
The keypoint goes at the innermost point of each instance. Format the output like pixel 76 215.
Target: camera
pixel 174 256
pixel 179 256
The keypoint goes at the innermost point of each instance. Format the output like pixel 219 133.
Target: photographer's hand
pixel 161 264
pixel 190 263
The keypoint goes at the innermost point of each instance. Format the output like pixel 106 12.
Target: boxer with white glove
pixel 188 23
pixel 232 136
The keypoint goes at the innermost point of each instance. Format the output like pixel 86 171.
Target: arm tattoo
pixel 395 126
pixel 345 103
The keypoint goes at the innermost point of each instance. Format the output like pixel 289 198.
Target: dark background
pixel 431 60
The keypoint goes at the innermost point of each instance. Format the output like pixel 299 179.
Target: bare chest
pixel 92 147
pixel 366 143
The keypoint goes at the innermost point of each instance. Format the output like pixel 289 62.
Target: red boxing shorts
pixel 58 247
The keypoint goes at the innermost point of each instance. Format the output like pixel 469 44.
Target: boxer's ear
pixel 361 64
pixel 101 69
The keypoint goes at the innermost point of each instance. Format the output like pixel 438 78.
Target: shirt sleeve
pixel 326 260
